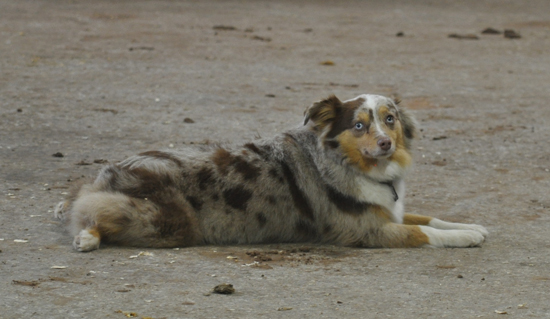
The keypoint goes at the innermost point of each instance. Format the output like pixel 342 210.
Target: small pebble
pixel 224 289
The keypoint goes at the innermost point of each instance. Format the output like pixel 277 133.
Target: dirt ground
pixel 97 81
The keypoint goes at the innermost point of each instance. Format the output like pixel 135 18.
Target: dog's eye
pixel 390 119
pixel 359 126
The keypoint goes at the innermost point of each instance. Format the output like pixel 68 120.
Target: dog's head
pixel 366 130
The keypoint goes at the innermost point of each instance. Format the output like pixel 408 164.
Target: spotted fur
pixel 337 179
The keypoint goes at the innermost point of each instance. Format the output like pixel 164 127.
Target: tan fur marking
pixel 401 156
pixel 364 117
pixel 223 159
pixel 94 232
pixel 381 213
pixel 394 235
pixel 403 236
pixel 351 146
pixel 416 238
pixel 383 110
pixel 411 219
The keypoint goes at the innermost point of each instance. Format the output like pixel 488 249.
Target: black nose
pixel 384 143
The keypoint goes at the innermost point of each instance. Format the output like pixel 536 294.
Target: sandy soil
pixel 98 81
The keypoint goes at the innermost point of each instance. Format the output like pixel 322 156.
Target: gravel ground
pixel 97 81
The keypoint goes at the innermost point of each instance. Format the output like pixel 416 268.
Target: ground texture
pixel 97 81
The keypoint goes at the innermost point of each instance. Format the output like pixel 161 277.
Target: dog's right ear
pixel 323 113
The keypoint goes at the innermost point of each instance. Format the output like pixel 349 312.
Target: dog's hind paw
pixel 86 241
pixel 59 210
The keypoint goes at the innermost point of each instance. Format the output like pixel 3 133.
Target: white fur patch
pixel 386 170
pixel 380 194
pixel 452 237
pixel 85 241
pixel 439 224
pixel 372 101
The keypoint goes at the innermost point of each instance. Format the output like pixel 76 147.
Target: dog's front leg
pixel 400 236
pixel 411 219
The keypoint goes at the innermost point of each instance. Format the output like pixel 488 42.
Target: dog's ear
pixel 323 113
pixel 396 98
pixel 408 124
pixel 407 120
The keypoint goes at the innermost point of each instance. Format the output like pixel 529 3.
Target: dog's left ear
pixel 323 113
pixel 408 124
pixel 407 120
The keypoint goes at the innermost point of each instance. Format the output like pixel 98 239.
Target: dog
pixel 336 179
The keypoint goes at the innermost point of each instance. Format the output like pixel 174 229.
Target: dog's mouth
pixel 377 153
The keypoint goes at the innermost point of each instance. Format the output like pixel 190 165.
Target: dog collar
pixel 390 185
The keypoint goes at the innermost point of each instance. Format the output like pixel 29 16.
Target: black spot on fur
pixel 195 202
pixel 149 184
pixel 298 196
pixel 247 170
pixel 205 178
pixel 254 148
pixel 271 199
pixel 224 160
pixel 331 144
pixel 345 203
pixel 305 229
pixel 163 155
pixel 237 197
pixel 261 219
pixel 275 174
pixel 215 197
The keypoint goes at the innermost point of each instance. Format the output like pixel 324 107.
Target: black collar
pixel 390 185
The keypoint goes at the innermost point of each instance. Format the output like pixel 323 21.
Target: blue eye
pixel 358 126
pixel 390 119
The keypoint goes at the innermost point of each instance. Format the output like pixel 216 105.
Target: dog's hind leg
pixel 98 216
pixel 140 222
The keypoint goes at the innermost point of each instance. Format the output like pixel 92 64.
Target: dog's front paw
pixel 85 241
pixel 439 224
pixel 453 237
pixel 469 238
pixel 479 229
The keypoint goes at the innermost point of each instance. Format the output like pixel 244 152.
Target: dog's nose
pixel 384 143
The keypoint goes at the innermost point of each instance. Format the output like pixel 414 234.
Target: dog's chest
pixel 387 195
